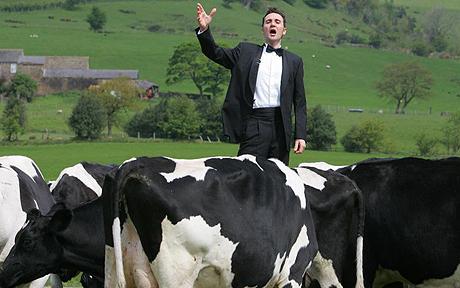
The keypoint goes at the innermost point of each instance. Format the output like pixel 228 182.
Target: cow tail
pixel 360 239
pixel 111 199
pixel 116 232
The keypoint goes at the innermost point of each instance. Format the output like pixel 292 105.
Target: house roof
pixel 144 84
pixel 90 73
pixel 38 60
pixel 10 55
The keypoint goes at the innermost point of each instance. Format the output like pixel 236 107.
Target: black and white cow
pixel 338 213
pixel 61 239
pixel 22 188
pixel 216 222
pixel 410 205
pixel 412 223
pixel 79 183
pixel 73 249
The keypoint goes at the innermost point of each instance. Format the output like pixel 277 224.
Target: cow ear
pixel 60 220
pixel 33 214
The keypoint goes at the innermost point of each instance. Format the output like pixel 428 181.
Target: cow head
pixel 37 251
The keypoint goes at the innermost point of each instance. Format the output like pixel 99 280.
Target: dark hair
pixel 274 10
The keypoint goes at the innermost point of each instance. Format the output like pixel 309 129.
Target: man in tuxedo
pixel 266 85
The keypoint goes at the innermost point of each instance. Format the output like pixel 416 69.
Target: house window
pixel 13 68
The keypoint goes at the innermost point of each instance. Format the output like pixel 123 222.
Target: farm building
pixel 62 73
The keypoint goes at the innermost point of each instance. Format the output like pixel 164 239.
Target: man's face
pixel 273 28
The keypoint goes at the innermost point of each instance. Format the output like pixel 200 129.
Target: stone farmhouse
pixel 63 73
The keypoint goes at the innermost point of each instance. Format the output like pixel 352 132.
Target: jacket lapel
pixel 284 74
pixel 254 69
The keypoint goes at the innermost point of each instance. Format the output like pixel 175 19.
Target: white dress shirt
pixel 268 83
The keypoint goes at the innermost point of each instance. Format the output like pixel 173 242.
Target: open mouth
pixel 272 32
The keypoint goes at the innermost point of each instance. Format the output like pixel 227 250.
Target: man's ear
pixel 284 31
pixel 60 220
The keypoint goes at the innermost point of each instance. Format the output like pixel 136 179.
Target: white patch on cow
pixel 116 235
pixel 311 178
pixel 11 215
pixel 385 276
pixel 294 181
pixel 321 166
pixel 249 157
pixel 323 271
pixel 359 263
pixel 26 165
pixel 127 161
pixel 79 172
pixel 194 168
pixel 193 254
pixel 282 278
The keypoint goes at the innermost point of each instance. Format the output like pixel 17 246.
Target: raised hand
pixel 203 18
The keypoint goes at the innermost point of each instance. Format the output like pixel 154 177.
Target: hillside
pixel 128 43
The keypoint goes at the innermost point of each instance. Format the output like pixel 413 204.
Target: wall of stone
pixel 32 70
pixel 55 85
pixel 67 62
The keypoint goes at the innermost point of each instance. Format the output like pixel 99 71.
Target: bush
pixel 146 122
pixel 342 37
pixel 321 132
pixel 22 86
pixel 96 19
pixel 426 145
pixel 180 118
pixel 421 49
pixel 356 39
pixel 88 118
pixel 375 40
pixel 451 133
pixel 366 137
pixel 174 117
pixel 13 120
pixel 210 111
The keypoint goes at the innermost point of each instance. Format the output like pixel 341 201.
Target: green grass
pixel 128 45
pixel 53 158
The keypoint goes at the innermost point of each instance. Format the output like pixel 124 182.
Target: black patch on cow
pixel 412 211
pixel 254 208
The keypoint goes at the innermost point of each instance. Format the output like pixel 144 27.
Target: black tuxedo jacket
pixel 243 61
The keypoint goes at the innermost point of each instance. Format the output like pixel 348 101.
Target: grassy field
pixel 54 157
pixel 129 45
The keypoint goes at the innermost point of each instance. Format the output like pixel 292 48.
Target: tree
pixel 404 82
pixel 88 117
pixel 22 87
pixel 451 133
pixel 180 118
pixel 215 78
pixel 71 4
pixel 96 19
pixel 210 111
pixel 366 137
pixel 187 62
pixel 146 122
pixel 426 144
pixel 13 120
pixel 321 132
pixel 115 95
pixel 436 27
